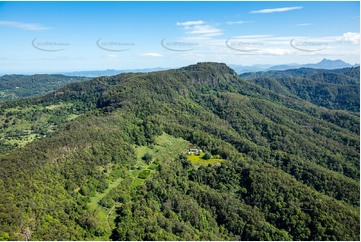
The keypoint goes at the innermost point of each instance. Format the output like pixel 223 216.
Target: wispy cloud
pixel 274 51
pixel 199 30
pixel 188 23
pixel 111 56
pixel 26 26
pixel 269 45
pixel 152 54
pixel 58 58
pixel 205 30
pixel 255 36
pixel 239 22
pixel 276 10
pixel 304 24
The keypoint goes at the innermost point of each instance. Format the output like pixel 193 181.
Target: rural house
pixel 194 151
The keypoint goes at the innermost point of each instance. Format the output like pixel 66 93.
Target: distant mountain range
pixel 109 72
pixel 239 69
pixel 324 64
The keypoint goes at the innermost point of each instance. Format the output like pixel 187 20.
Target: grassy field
pixel 197 160
pixel 166 147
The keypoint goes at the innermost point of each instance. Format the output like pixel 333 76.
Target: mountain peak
pixel 329 64
pixel 213 67
pixel 206 65
pixel 324 60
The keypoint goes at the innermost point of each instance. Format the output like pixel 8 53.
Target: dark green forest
pixel 333 89
pixel 107 159
pixel 21 86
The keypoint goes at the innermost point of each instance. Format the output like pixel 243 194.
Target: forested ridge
pixel 107 159
pixel 13 87
pixel 333 89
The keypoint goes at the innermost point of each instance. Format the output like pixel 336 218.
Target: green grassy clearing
pixel 72 116
pixel 166 147
pixel 197 160
pixel 21 142
pixel 144 174
pixel 94 201
pixel 57 106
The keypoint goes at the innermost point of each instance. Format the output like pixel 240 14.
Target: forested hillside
pixel 107 159
pixel 333 89
pixel 20 86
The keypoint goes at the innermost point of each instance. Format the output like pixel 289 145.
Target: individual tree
pixel 147 158
pixel 207 156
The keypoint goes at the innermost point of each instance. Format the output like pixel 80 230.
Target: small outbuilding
pixel 194 151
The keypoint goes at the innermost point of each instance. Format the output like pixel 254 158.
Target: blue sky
pixel 68 36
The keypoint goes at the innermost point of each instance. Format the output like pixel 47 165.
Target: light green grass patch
pixel 72 117
pixel 166 147
pixel 137 182
pixel 153 166
pixel 144 174
pixel 60 105
pixel 93 204
pixel 21 142
pixel 197 160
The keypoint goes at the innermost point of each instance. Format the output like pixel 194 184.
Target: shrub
pixel 147 158
pixel 144 174
pixel 207 156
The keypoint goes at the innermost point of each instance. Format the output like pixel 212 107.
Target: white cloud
pixel 268 45
pixel 276 10
pixel 20 25
pixel 189 23
pixel 239 22
pixel 265 49
pixel 205 30
pixel 351 37
pixel 199 30
pixel 152 54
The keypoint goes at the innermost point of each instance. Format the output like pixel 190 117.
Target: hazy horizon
pixel 150 68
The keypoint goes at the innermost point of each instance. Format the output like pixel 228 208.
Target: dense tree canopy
pixel 107 159
pixel 333 89
pixel 20 86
